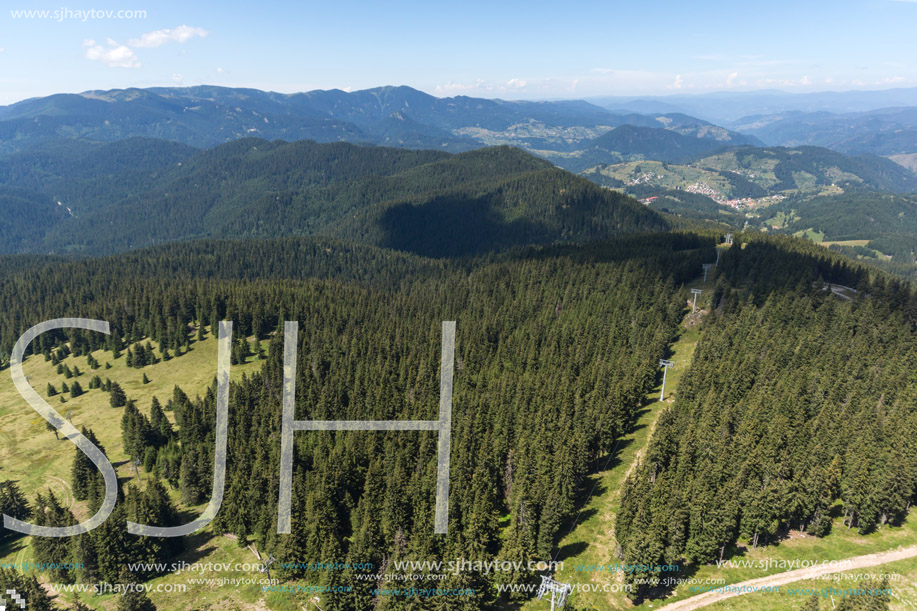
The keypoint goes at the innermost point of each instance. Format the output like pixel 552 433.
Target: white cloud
pixel 181 34
pixel 515 83
pixel 114 56
pixel 677 83
pixel 451 88
pixel 730 81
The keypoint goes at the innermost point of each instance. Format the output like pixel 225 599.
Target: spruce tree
pixel 118 398
pixel 51 550
pixel 134 598
pixel 83 473
pixel 14 504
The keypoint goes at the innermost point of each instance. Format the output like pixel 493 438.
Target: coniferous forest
pixel 555 350
pixel 797 407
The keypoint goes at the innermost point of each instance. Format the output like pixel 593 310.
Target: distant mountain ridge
pixel 428 202
pixel 207 116
pixel 884 131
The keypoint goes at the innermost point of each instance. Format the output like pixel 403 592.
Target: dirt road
pixel 782 579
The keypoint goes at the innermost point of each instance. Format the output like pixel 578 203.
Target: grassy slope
pixel 30 455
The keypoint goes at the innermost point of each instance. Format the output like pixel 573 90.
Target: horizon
pixel 591 99
pixel 588 50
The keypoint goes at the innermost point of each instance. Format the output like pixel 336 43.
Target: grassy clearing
pixel 845 243
pixel 782 219
pixel 810 234
pixel 31 456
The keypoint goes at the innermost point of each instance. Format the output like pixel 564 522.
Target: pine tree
pixel 135 431
pixel 50 550
pixel 145 380
pixel 75 389
pixel 79 605
pixel 118 398
pixel 51 390
pixel 37 599
pixel 83 472
pixel 159 423
pixel 13 504
pixel 133 598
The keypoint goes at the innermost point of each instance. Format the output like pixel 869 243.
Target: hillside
pixel 884 131
pixel 809 168
pixel 422 201
pixel 207 116
pixel 750 172
pixel 556 350
pixel 580 328
pixel 759 447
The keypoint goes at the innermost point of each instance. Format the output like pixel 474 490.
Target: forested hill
pixel 428 202
pixel 797 399
pixel 555 350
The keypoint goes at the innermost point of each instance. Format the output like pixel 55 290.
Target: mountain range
pixel 386 116
pixel 106 171
pixel 94 198
pixel 884 131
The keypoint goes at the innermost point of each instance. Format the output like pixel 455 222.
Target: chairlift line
pixel 665 364
pixel 559 591
pixel 695 292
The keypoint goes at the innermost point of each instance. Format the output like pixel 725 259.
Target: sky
pixel 509 49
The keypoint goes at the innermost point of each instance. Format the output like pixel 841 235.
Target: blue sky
pixel 510 49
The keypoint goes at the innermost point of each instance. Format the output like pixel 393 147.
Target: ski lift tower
pixel 728 239
pixel 70 416
pixel 559 591
pixel 666 365
pixel 706 267
pixel 267 567
pixel 136 465
pixel 695 292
